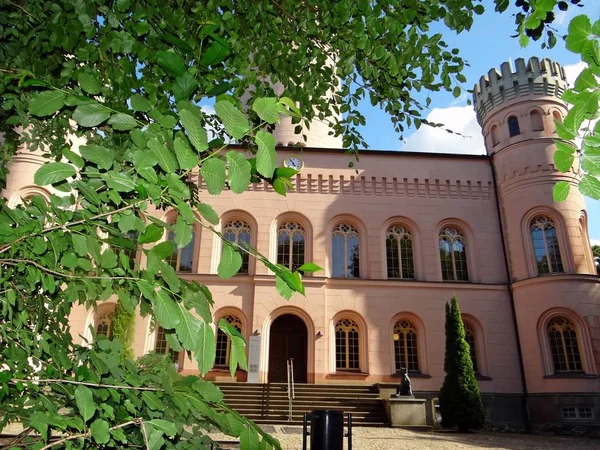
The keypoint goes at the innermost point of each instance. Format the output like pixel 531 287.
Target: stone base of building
pixel 407 412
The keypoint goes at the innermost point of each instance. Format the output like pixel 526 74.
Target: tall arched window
pixel 182 259
pixel 223 341
pixel 405 346
pixel 513 126
pixel 239 232
pixel 470 338
pixel 103 324
pixel 562 336
pixel 545 245
pixel 345 251
pixel 162 346
pixel 347 355
pixel 399 253
pixel 291 245
pixel 494 133
pixel 453 254
pixel 536 120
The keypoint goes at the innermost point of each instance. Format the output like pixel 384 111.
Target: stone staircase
pixel 268 403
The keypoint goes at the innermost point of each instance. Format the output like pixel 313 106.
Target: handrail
pixel 291 390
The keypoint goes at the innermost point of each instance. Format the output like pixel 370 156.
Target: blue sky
pixel 487 45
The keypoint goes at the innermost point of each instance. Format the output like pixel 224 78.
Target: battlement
pixel 539 78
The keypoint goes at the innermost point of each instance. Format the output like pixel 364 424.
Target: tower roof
pixel 539 78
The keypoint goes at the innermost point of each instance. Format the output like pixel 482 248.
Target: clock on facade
pixel 294 162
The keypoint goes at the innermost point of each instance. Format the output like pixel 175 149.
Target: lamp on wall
pixel 256 332
pixel 319 334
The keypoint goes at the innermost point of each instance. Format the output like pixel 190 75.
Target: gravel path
pixel 397 439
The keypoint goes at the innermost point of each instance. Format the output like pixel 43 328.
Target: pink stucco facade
pixel 490 199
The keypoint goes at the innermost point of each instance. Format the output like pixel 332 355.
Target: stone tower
pixel 552 273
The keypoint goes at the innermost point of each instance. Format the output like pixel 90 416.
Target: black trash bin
pixel 326 430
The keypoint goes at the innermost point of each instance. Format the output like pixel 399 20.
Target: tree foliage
pixel 460 399
pixel 109 92
pixel 122 327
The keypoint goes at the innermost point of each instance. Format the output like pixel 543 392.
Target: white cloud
pixel 594 242
pixel 460 119
pixel 573 70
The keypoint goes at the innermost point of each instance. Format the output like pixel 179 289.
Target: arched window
pixel 536 121
pixel 399 253
pixel 291 245
pixel 347 355
pixel 103 324
pixel 453 254
pixel 405 346
pixel 545 245
pixel 557 116
pixel 239 232
pixel 223 341
pixel 513 126
pixel 494 133
pixel 182 259
pixel 127 244
pixel 470 338
pixel 345 251
pixel 162 346
pixel 562 336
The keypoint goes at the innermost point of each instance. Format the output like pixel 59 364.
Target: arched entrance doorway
pixel 289 339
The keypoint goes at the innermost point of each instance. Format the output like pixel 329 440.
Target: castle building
pixel 396 240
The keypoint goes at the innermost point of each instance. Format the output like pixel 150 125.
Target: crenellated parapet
pixel 537 78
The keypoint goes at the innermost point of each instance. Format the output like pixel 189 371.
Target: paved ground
pixel 396 439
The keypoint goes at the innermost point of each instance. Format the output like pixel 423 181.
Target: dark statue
pixel 405 388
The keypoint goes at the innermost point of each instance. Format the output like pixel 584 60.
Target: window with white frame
pixel 345 251
pixel 347 351
pixel 182 259
pixel 399 253
pixel 564 345
pixel 103 324
pixel 545 245
pixel 224 342
pixel 453 255
pixel 577 413
pixel 291 246
pixel 239 232
pixel 162 346
pixel 406 346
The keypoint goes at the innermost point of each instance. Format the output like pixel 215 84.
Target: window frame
pixel 283 228
pixel 355 230
pixel 177 357
pixel 356 324
pixel 459 236
pixel 566 353
pixel 399 236
pixel 171 218
pixel 405 356
pixel 245 269
pixel 534 223
pixel 219 332
pixel 511 122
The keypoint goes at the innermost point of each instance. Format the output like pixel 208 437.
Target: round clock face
pixel 294 162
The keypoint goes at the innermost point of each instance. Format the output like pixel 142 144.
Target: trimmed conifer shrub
pixel 460 399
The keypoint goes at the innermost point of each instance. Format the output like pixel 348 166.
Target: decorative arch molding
pixel 421 340
pixel 461 225
pixel 233 311
pixel 266 338
pixel 217 248
pixel 563 243
pixel 493 134
pixel 107 307
pixel 585 242
pixel 531 126
pixel 480 343
pixel 291 216
pixel 363 349
pixel 584 342
pixel 26 192
pixel 362 242
pixel 417 248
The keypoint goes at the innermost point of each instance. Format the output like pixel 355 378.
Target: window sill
pixel 479 377
pixel 347 375
pixel 411 375
pixel 571 375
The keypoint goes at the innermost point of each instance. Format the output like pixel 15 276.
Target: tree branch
pixel 14 262
pixel 89 433
pixel 84 383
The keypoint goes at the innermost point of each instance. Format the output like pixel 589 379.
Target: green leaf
pixel 165 426
pixel 586 80
pixel 152 233
pixel 287 106
pixel 91 114
pixel 183 233
pixel 563 132
pixel 101 156
pixel 235 122
pixel 152 401
pixel 89 82
pixel 164 156
pixel 266 157
pixel 282 287
pixel 184 86
pixel 119 181
pixel 85 402
pixel 108 259
pixel 266 108
pixel 213 173
pixel 579 33
pixel 53 172
pixel 590 186
pixel 239 171
pixel 561 191
pixel 187 329
pixel 231 262
pixel 564 156
pixel 46 103
pixel 249 439
pixel 208 213
pixel 122 122
pixel 166 310
pixel 309 268
pixel 214 54
pixel 100 431
pixel 185 157
pixel 171 62
pixel 205 348
pixel 140 103
pixel 146 289
pixel 190 117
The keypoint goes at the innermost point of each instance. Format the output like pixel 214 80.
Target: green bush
pixel 460 399
pixel 122 327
